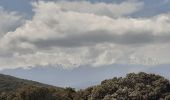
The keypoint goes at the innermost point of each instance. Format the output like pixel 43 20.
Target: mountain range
pixel 83 76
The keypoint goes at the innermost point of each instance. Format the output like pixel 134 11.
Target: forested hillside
pixel 10 83
pixel 141 86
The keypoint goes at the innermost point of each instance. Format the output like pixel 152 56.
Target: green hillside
pixel 10 83
pixel 141 86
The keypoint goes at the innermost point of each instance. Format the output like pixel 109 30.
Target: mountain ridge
pixel 14 83
pixel 90 75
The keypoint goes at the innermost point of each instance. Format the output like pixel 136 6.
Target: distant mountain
pixel 83 76
pixel 58 76
pixel 141 86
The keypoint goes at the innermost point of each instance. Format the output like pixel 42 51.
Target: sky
pixel 69 34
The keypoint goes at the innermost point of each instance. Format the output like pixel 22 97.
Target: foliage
pixel 38 93
pixel 139 86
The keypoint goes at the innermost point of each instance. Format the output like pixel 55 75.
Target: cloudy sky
pixel 75 33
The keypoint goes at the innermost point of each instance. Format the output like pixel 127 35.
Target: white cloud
pixel 9 21
pixel 62 35
pixel 101 8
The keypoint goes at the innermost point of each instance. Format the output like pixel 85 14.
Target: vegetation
pixel 36 93
pixel 139 86
pixel 10 83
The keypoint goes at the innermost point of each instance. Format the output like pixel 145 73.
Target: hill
pixel 12 88
pixel 141 86
pixel 10 83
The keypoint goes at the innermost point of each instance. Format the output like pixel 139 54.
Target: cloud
pixel 9 21
pixel 101 8
pixel 100 37
pixel 59 34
